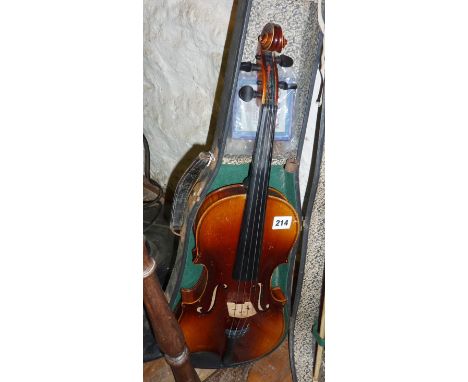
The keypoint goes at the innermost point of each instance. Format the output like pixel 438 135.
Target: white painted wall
pixel 183 48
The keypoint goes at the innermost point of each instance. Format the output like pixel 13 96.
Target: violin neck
pixel 251 236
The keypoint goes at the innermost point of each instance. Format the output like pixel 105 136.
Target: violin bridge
pixel 241 310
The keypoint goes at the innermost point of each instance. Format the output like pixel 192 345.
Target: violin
pixel 243 232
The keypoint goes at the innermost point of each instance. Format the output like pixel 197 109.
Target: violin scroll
pixel 272 39
pixel 270 43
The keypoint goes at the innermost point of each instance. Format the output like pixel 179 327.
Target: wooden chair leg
pixel 165 327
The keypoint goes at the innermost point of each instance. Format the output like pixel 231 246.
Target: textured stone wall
pixel 183 47
pixel 309 305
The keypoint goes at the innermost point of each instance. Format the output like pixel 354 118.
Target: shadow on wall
pixel 193 152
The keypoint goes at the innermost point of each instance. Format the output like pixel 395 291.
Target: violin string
pixel 253 249
pixel 257 252
pixel 266 151
pixel 262 207
pixel 271 124
pixel 258 182
pixel 242 264
pixel 265 144
pixel 244 243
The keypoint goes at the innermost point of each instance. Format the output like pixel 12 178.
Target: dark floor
pixel 272 368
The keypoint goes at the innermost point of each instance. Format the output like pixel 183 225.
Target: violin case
pixel 224 164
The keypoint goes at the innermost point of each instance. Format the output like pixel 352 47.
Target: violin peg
pixel 285 61
pixel 249 66
pixel 285 86
pixel 247 93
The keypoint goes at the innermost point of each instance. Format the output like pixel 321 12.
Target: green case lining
pixel 231 174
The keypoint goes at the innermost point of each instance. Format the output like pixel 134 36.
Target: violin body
pixel 208 318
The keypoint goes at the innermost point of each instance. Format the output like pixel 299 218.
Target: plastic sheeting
pixel 183 49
